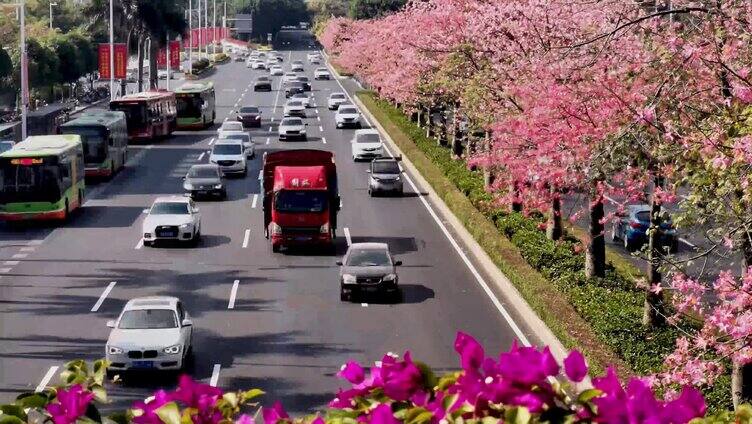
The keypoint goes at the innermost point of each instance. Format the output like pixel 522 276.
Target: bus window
pixel 189 106
pixel 29 183
pixel 94 144
pixel 136 114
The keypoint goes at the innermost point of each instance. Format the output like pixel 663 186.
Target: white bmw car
pixel 151 333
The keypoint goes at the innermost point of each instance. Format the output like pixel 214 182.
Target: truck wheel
pixel 343 295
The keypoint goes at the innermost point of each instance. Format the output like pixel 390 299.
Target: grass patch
pixel 600 317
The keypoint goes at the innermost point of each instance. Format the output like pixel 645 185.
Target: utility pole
pixel 24 71
pixel 112 52
pixel 206 22
pixel 190 32
pixel 200 38
pixel 167 56
pixel 51 4
pixel 214 27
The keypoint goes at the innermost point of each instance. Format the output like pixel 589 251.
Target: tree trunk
pixel 516 204
pixel 441 134
pixel 746 250
pixel 140 78
pixel 488 175
pixel 595 254
pixel 553 227
pixel 654 312
pixel 741 376
pixel 456 134
pixel 153 73
pixel 429 123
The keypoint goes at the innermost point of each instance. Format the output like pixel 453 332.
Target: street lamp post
pixel 200 32
pixel 190 31
pixel 167 60
pixel 24 70
pixel 214 27
pixel 51 4
pixel 206 22
pixel 112 52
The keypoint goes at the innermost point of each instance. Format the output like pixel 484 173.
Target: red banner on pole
pixel 104 61
pixel 121 60
pixel 162 58
pixel 175 55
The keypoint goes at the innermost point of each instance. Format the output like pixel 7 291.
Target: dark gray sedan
pixel 204 180
pixel 366 268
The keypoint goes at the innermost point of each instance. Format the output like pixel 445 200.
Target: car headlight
pixel 324 228
pixel 218 186
pixel 389 278
pixel 275 229
pixel 172 350
pixel 185 226
pixel 114 350
pixel 348 279
pixel 303 131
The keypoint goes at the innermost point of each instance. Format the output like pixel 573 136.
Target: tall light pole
pixel 206 22
pixel 51 4
pixel 190 31
pixel 214 27
pixel 24 70
pixel 112 52
pixel 167 57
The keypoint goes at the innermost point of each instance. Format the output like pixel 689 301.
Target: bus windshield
pixel 94 141
pixel 135 113
pixel 37 182
pixel 189 105
pixel 301 201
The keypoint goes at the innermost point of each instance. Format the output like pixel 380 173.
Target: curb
pixel 510 296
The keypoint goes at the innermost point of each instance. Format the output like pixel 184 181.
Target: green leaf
pixel 588 395
pixel 448 401
pixel 14 410
pixel 169 413
pixel 517 415
pixel 231 398
pixel 429 377
pixel 10 419
pixel 32 400
pixel 117 418
pixel 420 418
pixel 100 394
pixel 251 394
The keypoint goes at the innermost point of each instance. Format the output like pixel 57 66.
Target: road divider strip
pixel 104 295
pixel 246 238
pixel 233 294
pixel 215 375
pixel 46 379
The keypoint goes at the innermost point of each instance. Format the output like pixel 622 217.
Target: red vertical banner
pixel 104 61
pixel 162 58
pixel 175 55
pixel 121 60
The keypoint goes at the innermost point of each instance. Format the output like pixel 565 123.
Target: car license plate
pixel 302 238
pixel 202 191
pixel 143 364
pixel 166 234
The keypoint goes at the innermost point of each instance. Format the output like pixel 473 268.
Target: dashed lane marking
pixel 255 199
pixel 270 129
pixel 28 249
pixel 20 255
pixel 318 118
pixel 140 244
pixel 233 294
pixel 321 128
pixel 365 305
pixel 46 379
pixel 347 236
pixel 5 270
pixel 246 238
pixel 201 156
pixel 215 375
pixel 104 295
pixel 267 140
pixel 211 141
pixel 323 140
pixel 12 263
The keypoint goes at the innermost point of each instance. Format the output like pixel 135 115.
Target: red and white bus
pixel 148 114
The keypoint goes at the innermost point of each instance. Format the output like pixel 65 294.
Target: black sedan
pixel 204 180
pixel 250 116
pixel 262 84
pixel 306 83
pixel 294 88
pixel 368 268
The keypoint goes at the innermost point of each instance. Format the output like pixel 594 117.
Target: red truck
pixel 301 200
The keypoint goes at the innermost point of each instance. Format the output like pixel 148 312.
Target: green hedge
pixel 612 306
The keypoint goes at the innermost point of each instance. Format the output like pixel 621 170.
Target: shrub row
pixel 612 306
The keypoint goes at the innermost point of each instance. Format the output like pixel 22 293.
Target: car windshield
pixel 300 96
pixel 368 257
pixel 303 79
pixel 321 70
pixel 385 167
pixel 169 208
pixel 292 121
pixel 348 110
pixel 300 201
pixel 294 104
pixel 249 109
pixel 232 126
pixel 242 137
pixel 142 319
pixel 367 138
pixel 203 172
pixel 5 146
pixel 226 149
pixel 262 79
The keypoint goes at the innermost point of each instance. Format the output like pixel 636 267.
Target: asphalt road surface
pixel 287 333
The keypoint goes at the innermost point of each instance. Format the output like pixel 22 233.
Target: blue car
pixel 631 228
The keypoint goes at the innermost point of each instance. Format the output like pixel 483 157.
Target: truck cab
pixel 301 200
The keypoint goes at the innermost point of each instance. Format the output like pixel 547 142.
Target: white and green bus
pixel 104 135
pixel 196 105
pixel 42 178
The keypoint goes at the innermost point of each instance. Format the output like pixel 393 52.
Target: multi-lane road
pixel 261 319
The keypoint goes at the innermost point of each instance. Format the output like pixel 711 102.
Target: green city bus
pixel 42 178
pixel 196 105
pixel 104 136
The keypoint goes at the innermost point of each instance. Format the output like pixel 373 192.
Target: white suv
pixel 229 155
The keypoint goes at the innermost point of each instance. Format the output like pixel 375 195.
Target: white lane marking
pixel 245 91
pixel 233 294
pixel 323 140
pixel 201 156
pixel 46 379
pixel 215 375
pixel 482 282
pixel 104 295
pixel 321 128
pixel 261 173
pixel 20 255
pixel 255 199
pixel 211 141
pixel 5 270
pixel 11 263
pixel 318 118
pixel 246 238
pixel 229 89
pixel 34 242
pixel 687 242
pixel 347 236
pixel 140 244
pixel 28 249
pixel 276 99
pixel 316 111
pixel 365 305
pixel 272 120
pixel 267 140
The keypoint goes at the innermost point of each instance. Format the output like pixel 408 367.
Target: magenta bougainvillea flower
pixel 275 413
pixel 575 367
pixel 148 414
pixel 70 404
